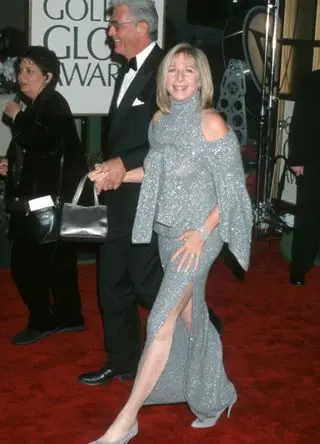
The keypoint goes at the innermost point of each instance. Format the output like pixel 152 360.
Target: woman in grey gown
pixel 194 196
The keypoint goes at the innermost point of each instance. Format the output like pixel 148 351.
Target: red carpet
pixel 271 344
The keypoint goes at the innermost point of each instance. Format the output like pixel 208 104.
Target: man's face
pixel 124 32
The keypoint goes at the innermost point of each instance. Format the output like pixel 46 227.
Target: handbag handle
pixel 58 196
pixel 79 191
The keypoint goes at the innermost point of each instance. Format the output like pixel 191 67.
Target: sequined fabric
pixel 185 177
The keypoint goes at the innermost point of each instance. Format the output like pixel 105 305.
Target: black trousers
pixel 306 235
pixel 46 277
pixel 128 275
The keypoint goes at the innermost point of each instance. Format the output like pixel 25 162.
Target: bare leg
pixel 151 367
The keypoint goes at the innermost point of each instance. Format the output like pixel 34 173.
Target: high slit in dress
pixel 185 178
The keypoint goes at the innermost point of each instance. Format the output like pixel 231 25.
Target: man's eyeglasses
pixel 117 24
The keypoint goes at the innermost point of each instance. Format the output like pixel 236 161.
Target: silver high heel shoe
pixel 131 434
pixel 210 422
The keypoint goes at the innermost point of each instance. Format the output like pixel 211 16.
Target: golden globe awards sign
pixel 76 31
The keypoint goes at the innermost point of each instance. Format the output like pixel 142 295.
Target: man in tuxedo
pixel 127 273
pixel 304 161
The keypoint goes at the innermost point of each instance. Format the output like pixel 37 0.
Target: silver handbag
pixel 84 223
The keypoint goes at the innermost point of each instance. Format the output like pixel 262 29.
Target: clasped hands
pixel 108 175
pixel 190 251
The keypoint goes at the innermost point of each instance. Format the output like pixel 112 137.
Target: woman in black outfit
pixel 45 275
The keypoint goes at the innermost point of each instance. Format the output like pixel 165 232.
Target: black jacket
pixel 127 137
pixel 41 133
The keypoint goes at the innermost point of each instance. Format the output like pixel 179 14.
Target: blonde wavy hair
pixel 205 77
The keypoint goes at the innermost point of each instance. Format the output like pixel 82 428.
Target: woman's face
pixel 31 80
pixel 182 78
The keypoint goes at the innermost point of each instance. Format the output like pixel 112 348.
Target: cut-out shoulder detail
pixel 156 117
pixel 212 125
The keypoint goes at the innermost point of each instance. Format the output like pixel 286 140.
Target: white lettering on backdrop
pixel 76 31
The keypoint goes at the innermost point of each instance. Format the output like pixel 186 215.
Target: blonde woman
pixel 193 195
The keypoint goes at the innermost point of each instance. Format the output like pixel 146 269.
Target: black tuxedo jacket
pixel 127 138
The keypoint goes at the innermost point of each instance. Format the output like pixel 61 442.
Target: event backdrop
pixel 76 31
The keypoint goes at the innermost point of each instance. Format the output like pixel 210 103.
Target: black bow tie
pixel 132 63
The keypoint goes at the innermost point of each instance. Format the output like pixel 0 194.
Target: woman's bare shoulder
pixel 156 117
pixel 213 125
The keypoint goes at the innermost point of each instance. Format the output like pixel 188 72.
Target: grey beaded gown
pixel 185 178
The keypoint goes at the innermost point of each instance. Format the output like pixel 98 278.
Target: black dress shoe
pixel 216 321
pixel 297 279
pixel 104 375
pixel 31 335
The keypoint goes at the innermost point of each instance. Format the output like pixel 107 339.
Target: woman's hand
pixel 12 109
pixel 298 170
pixel 98 173
pixel 3 167
pixel 98 176
pixel 190 251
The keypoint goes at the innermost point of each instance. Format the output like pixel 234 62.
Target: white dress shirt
pixel 130 75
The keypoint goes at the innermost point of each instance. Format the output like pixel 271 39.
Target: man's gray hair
pixel 141 10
